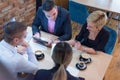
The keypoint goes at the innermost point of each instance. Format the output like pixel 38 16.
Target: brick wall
pixel 22 10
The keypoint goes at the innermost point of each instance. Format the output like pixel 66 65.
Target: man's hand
pixel 21 49
pixel 56 41
pixel 24 44
pixel 50 42
pixel 37 35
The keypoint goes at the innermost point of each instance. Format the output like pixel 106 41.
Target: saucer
pixel 86 61
pixel 81 66
pixel 86 58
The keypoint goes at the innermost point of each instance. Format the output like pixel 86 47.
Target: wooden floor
pixel 113 71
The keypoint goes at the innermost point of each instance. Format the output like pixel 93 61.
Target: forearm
pixel 26 66
pixel 31 55
pixel 67 29
pixel 88 50
pixel 35 29
pixel 65 37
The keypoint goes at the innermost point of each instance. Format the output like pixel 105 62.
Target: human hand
pixel 21 49
pixel 71 42
pixel 24 44
pixel 37 35
pixel 51 41
pixel 56 41
pixel 49 44
pixel 78 45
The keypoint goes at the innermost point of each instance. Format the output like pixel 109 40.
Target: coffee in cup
pixel 85 57
pixel 39 55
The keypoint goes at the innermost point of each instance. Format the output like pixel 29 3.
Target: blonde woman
pixel 62 56
pixel 92 37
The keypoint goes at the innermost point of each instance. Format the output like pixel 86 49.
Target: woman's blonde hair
pixel 99 18
pixel 62 56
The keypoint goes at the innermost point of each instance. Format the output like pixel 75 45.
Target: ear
pixel 16 40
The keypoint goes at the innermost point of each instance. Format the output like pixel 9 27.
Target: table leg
pixel 110 18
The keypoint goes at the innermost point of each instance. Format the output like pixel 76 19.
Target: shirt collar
pixel 9 46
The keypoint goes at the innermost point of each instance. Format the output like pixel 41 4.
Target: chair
pixel 78 12
pixel 111 41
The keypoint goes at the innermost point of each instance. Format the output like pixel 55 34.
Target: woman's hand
pixel 78 45
pixel 71 42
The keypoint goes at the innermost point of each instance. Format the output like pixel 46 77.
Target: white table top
pixel 95 70
pixel 107 5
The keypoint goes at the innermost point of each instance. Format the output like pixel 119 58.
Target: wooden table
pixel 95 70
pixel 107 5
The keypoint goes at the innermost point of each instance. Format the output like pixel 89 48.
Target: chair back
pixel 111 41
pixel 78 12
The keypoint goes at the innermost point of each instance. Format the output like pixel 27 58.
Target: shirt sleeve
pixel 31 55
pixel 67 28
pixel 23 65
pixel 36 22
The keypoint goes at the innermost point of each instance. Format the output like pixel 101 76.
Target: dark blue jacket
pixel 63 27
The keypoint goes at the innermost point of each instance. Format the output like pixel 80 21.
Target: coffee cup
pixel 81 65
pixel 85 57
pixel 39 55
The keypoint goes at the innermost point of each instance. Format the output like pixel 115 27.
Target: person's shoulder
pixel 70 77
pixel 3 48
pixel 40 10
pixel 106 32
pixel 84 27
pixel 75 78
pixel 63 10
pixel 42 72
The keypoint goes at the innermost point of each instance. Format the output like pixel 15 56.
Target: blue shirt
pixel 14 61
